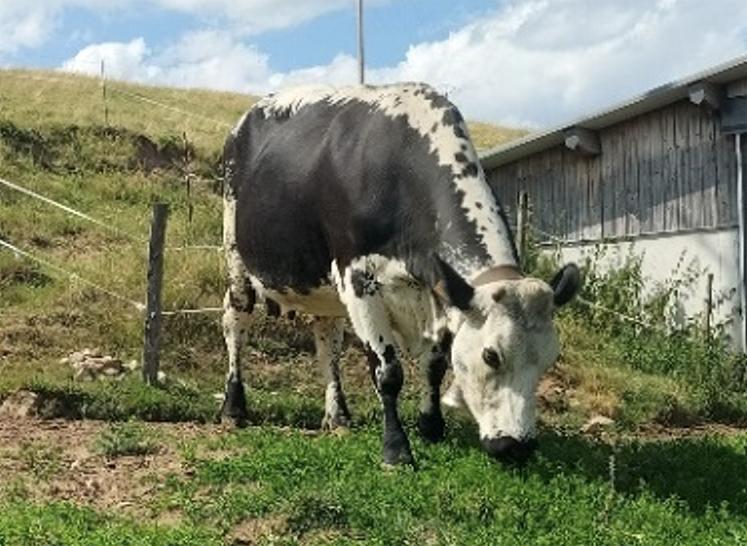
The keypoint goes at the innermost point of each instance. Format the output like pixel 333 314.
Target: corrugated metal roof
pixel 651 100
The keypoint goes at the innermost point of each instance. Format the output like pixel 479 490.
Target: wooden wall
pixel 666 171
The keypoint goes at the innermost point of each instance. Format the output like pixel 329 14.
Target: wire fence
pixel 106 225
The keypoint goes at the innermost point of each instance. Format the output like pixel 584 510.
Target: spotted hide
pixel 370 203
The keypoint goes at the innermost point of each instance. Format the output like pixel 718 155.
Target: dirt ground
pixel 57 460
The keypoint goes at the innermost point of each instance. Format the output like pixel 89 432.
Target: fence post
pixel 103 93
pixel 522 219
pixel 152 331
pixel 709 306
pixel 188 176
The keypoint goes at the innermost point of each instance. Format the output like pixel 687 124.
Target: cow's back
pixel 326 181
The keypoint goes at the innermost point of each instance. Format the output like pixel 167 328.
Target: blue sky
pixel 519 62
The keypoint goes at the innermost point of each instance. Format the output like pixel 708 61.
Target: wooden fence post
pixel 103 93
pixel 152 332
pixel 709 306
pixel 188 176
pixel 522 219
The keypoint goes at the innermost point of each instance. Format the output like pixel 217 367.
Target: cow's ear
pixel 565 284
pixel 451 287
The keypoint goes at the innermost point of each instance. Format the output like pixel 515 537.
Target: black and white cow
pixel 370 203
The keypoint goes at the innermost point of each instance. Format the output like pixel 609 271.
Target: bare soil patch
pixel 81 475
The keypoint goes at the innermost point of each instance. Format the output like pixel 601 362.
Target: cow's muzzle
pixel 509 450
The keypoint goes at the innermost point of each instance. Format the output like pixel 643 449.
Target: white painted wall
pixel 715 251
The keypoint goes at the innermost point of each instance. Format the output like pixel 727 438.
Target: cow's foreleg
pixel 237 306
pixel 361 293
pixel 433 365
pixel 328 335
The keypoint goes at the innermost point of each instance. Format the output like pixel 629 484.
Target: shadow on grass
pixel 702 472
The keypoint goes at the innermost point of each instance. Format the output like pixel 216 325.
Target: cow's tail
pixel 240 295
pixel 230 186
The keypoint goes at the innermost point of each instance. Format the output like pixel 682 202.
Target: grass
pixel 281 486
pixel 129 438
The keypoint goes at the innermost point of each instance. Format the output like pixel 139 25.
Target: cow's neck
pixel 474 235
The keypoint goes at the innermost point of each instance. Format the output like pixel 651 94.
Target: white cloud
pixel 531 62
pixel 23 25
pixel 255 16
pixel 200 59
pixel 543 62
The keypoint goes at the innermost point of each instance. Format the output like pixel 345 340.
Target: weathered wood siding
pixel 666 171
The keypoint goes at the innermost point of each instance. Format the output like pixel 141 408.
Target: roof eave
pixel 649 101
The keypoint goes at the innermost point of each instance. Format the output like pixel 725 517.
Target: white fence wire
pixel 217 248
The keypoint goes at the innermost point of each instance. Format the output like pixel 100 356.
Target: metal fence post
pixel 152 330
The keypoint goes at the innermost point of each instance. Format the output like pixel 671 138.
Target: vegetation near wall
pixel 162 473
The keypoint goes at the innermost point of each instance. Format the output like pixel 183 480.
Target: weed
pixel 41 460
pixel 129 438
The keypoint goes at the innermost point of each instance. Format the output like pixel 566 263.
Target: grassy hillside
pixel 34 98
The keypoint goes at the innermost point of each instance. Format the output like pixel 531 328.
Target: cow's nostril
pixel 508 449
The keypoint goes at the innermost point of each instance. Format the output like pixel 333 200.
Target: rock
pixel 132 365
pixel 597 424
pixel 21 404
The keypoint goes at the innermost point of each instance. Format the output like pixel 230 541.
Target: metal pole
pixel 361 60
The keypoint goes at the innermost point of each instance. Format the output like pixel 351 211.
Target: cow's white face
pixel 503 345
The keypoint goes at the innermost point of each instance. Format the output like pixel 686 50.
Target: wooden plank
pixel 671 210
pixel 682 165
pixel 593 228
pixel 726 189
pixel 657 182
pixel 709 180
pixel 695 190
pixel 554 192
pixel 632 182
pixel 643 166
pixel 607 188
pixel 571 196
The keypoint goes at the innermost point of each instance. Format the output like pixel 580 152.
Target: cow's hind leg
pixel 433 365
pixel 237 306
pixel 361 294
pixel 328 334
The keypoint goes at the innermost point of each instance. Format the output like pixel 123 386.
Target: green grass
pixel 298 489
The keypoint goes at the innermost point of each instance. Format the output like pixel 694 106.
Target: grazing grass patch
pixel 280 485
pixel 128 438
pixel 26 524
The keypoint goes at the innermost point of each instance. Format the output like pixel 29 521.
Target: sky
pixel 528 63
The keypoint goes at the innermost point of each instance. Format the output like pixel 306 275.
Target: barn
pixel 659 175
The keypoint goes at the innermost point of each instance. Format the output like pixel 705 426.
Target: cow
pixel 370 203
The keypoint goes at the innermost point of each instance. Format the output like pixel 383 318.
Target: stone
pixel 597 424
pixel 21 404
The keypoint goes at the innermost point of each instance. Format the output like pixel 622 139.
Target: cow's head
pixel 504 340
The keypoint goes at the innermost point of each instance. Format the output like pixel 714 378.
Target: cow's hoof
pixel 431 427
pixel 336 422
pixel 234 405
pixel 397 450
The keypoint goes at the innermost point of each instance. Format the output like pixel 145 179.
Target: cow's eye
pixel 491 358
